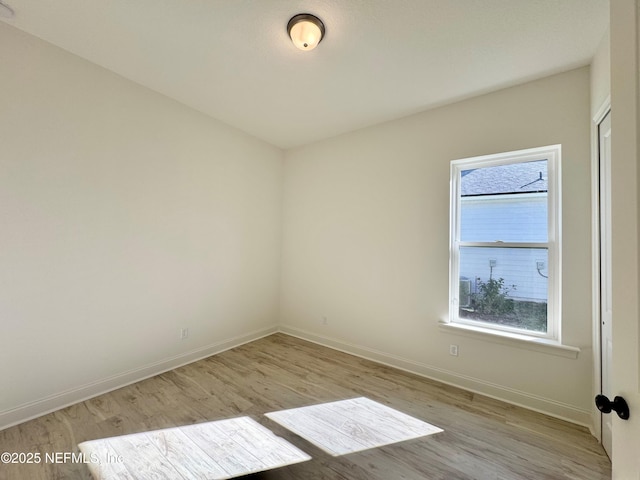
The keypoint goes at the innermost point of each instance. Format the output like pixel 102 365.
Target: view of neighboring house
pixel 506 203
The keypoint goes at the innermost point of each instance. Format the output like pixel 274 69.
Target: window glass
pixel 504 203
pixel 505 286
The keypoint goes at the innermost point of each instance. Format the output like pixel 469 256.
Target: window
pixel 505 242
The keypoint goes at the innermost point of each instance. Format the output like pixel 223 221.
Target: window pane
pixel 507 203
pixel 504 286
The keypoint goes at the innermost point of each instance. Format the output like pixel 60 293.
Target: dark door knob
pixel 619 405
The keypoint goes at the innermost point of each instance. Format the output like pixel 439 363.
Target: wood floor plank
pixel 351 425
pixel 206 451
pixel 483 438
pixel 175 444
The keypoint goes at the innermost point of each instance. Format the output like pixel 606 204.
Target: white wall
pixel 601 74
pixel 366 222
pixel 124 217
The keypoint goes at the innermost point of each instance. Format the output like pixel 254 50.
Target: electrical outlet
pixel 453 350
pixel 184 333
pixel 492 262
pixel 540 265
pixel 324 320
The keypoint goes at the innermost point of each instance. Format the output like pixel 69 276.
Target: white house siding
pixel 517 266
pixel 508 218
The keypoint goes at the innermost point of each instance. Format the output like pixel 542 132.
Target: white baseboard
pixel 64 399
pixel 506 394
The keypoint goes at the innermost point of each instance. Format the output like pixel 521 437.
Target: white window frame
pixel 552 154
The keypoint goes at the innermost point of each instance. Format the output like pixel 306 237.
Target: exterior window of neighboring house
pixel 505 242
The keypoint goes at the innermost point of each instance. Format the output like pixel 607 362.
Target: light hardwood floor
pixel 217 450
pixel 483 438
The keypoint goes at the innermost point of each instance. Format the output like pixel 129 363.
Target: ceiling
pixel 380 59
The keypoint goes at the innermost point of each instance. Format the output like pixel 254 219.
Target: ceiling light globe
pixel 306 31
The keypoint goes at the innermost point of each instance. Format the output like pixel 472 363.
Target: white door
pixel 625 227
pixel 606 342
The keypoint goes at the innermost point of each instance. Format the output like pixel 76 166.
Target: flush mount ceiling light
pixel 6 11
pixel 306 31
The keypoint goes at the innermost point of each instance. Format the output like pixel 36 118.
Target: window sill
pixel 512 339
